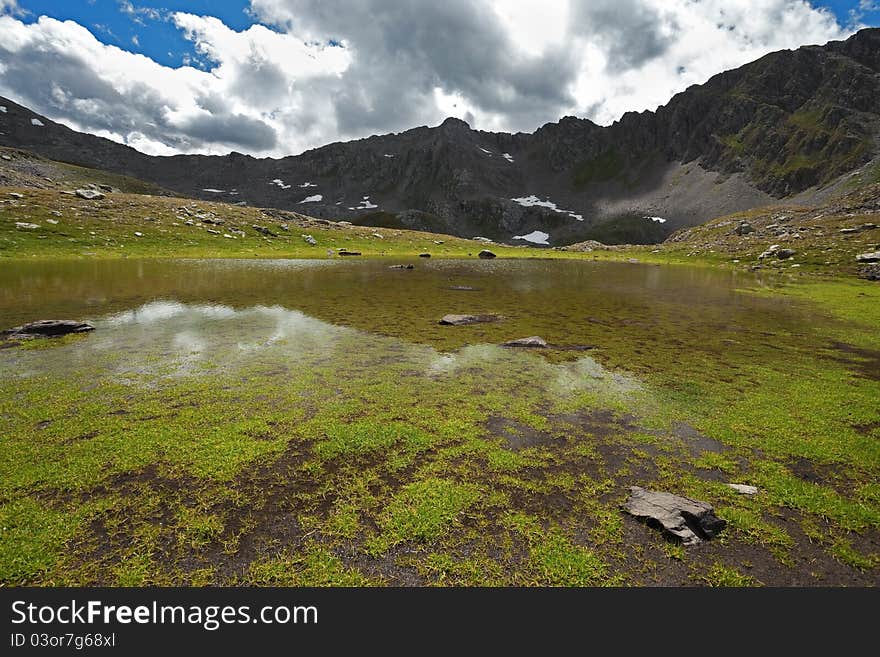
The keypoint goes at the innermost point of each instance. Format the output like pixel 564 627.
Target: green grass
pixel 424 511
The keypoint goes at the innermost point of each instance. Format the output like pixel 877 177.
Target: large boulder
pixel 868 257
pixel 486 254
pixel 687 520
pixel 47 328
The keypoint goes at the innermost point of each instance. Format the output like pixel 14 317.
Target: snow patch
pixel 37 122
pixel 213 191
pixel 529 201
pixel 659 220
pixel 313 199
pixel 535 237
pixel 365 204
pixel 279 183
pixel 387 155
pixel 3 109
pixel 307 184
pixel 508 157
pixel 489 153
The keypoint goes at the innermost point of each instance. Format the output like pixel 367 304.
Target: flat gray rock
pixel 47 328
pixel 690 521
pixel 533 342
pixel 463 320
pixel 869 257
pixel 745 489
pixel 89 194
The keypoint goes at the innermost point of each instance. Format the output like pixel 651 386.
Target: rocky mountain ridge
pixel 781 127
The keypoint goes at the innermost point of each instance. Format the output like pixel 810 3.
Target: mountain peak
pixel 453 123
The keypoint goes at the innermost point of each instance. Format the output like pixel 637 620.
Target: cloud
pixel 315 71
pixel 10 7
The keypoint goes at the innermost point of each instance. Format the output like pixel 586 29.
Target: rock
pixel 690 521
pixel 138 234
pixel 769 252
pixel 424 255
pixel 378 236
pixel 15 195
pixel 848 231
pixel 464 320
pixel 89 194
pixel 47 328
pixel 24 225
pixel 869 257
pixel 463 288
pixel 870 272
pixel 106 188
pixel 344 223
pixel 5 157
pixel 402 267
pixel 744 228
pixel 486 254
pixel 745 489
pixel 262 230
pixel 533 342
pixel 785 254
pixel 349 253
pixel 308 239
pixel 438 241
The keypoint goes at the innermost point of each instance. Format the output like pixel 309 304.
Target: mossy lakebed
pixel 309 422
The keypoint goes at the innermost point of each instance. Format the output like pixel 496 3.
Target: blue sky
pixel 132 26
pixel 205 76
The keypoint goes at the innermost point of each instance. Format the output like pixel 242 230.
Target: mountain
pixel 781 127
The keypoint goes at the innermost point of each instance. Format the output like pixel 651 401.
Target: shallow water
pixel 568 303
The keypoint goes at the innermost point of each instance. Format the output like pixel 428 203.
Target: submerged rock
pixel 47 328
pixel 533 342
pixel 690 521
pixel 89 194
pixel 486 254
pixel 463 320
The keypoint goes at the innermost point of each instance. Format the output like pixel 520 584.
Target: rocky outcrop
pixel 689 521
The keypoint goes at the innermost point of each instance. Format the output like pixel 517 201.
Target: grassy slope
pixel 107 228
